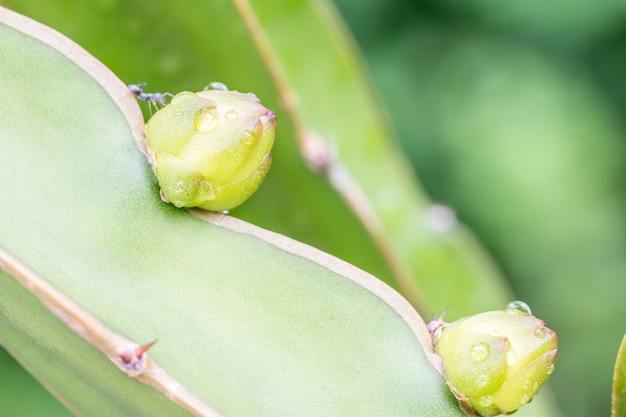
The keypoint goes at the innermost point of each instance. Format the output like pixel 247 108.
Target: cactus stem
pixel 127 356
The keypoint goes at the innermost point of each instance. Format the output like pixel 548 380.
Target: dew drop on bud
pixel 551 369
pixel 519 308
pixel 511 357
pixel 540 332
pixel 182 96
pixel 524 399
pixel 482 381
pixel 485 401
pixel 495 334
pixel 479 351
pixel 205 119
pixel 232 115
pixel 216 85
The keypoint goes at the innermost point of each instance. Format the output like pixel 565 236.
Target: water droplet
pixel 531 386
pixel 518 308
pixel 207 190
pixel 217 86
pixel 181 96
pixel 540 332
pixel 511 357
pixel 524 399
pixel 482 381
pixel 205 119
pixel 479 351
pixel 232 115
pixel 495 334
pixel 485 401
pixel 179 114
pixel 551 369
pixel 248 140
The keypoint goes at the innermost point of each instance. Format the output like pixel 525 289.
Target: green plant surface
pixel 618 402
pixel 69 367
pixel 167 45
pixel 364 205
pixel 247 322
pixel 14 382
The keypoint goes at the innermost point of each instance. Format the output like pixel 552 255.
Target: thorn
pixel 440 318
pixel 436 325
pixel 142 349
pixel 133 359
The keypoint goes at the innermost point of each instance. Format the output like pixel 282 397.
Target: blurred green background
pixel 512 113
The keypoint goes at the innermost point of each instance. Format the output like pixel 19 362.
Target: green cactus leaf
pixel 247 322
pixel 72 369
pixel 165 44
pixel 365 207
pixel 15 383
pixel 618 403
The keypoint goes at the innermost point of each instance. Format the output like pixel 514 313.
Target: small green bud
pixel 495 362
pixel 210 149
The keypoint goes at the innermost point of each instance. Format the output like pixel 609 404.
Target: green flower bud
pixel 495 362
pixel 210 149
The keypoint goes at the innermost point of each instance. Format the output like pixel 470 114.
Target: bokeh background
pixel 512 113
